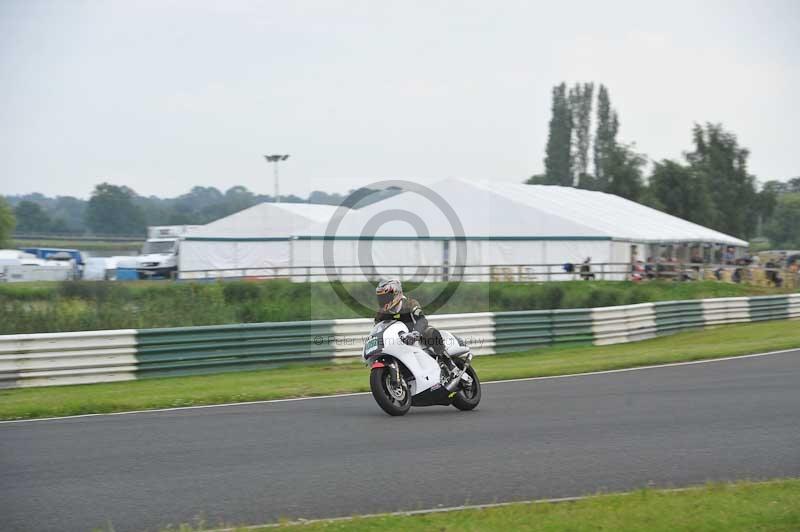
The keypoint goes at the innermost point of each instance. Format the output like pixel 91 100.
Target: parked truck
pixel 159 257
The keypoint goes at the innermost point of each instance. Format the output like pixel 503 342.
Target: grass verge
pixel 746 506
pixel 303 380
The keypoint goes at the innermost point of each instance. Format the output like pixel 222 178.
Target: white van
pixel 159 257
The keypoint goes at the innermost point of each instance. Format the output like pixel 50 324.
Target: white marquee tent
pixel 486 230
pixel 501 228
pixel 255 239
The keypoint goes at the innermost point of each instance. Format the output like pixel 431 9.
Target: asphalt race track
pixel 249 464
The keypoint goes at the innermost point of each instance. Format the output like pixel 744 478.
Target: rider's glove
pixel 410 338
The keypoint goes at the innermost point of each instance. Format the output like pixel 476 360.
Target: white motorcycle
pixel 402 376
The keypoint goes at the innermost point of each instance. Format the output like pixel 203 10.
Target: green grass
pixel 743 506
pixel 76 306
pixel 310 380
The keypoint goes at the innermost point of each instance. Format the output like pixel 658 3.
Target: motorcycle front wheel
pixel 394 400
pixel 468 398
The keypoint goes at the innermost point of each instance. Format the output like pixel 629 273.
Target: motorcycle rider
pixel 392 304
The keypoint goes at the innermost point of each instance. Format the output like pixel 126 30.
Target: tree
pixel 722 163
pixel 777 187
pixel 238 198
pixel 782 229
pixel 31 218
pixel 70 213
pixel 558 156
pixel 590 182
pixel 580 103
pixel 605 139
pixel 323 198
pixel 7 223
pixel 538 179
pixel 622 167
pixel 111 210
pixel 766 201
pixel 679 191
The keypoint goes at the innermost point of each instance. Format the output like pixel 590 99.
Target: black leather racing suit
pixel 411 314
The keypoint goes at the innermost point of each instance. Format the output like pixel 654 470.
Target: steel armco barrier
pixel 67 358
pixel 106 356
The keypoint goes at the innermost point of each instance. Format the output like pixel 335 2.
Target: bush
pixel 98 291
pixel 73 306
pixel 240 291
pixel 552 297
pixel 605 297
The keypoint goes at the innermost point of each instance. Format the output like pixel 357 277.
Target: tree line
pixel 119 210
pixel 710 185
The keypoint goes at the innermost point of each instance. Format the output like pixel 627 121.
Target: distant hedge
pixel 82 305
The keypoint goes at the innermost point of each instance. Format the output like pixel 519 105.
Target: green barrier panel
pixel 573 325
pixel 769 308
pixel 214 349
pixel 676 316
pixel 516 331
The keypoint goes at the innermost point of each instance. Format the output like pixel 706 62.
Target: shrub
pixel 552 296
pixel 52 307
pixel 605 297
pixel 87 290
pixel 240 291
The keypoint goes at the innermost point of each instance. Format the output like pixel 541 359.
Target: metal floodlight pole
pixel 274 159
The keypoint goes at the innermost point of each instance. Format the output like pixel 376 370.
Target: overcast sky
pixel 165 95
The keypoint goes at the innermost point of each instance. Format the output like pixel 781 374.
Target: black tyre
pixel 395 401
pixel 468 398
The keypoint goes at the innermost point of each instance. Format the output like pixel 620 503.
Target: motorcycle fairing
pixel 423 367
pixel 433 396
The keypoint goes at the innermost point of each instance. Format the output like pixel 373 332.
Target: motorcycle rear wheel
pixel 394 404
pixel 468 399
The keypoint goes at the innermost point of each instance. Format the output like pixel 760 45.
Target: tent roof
pixel 265 220
pixel 518 211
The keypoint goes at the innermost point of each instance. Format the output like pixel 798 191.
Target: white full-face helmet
pixel 390 295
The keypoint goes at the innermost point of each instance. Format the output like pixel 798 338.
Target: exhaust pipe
pixel 453 384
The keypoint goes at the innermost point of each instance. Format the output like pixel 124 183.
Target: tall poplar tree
pixel 558 156
pixel 605 140
pixel 580 102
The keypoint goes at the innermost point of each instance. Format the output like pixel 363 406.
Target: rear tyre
pixel 394 400
pixel 468 398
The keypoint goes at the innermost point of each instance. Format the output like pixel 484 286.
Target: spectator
pixel 729 256
pixel 772 274
pixel 648 268
pixel 637 271
pixel 586 269
pixel 696 258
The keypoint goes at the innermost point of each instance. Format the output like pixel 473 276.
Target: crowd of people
pixel 740 268
pixel 724 265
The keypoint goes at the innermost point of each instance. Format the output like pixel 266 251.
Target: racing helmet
pixel 390 295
